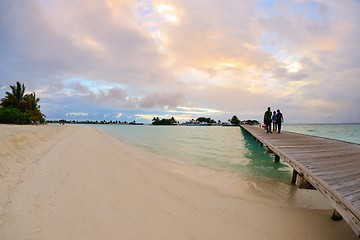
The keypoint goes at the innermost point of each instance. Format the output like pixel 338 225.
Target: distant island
pixel 157 121
pixel 201 121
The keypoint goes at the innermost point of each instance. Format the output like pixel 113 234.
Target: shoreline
pixel 76 182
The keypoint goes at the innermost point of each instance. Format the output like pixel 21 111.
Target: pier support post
pixel 277 158
pixel 295 173
pixel 300 181
pixel 336 216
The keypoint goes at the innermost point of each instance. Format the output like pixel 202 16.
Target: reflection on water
pixel 277 185
pixel 262 163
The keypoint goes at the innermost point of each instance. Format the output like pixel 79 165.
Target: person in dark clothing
pixel 279 120
pixel 274 123
pixel 267 120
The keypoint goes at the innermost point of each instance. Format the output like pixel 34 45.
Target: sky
pixel 126 60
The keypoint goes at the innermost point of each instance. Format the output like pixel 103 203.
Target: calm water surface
pixel 223 148
pixel 220 148
pixel 347 132
pixel 233 150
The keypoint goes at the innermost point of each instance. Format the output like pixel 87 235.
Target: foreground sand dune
pixel 75 182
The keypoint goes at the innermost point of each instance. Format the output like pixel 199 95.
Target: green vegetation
pixel 157 121
pixel 20 108
pixel 251 122
pixel 13 115
pixel 205 120
pixel 234 120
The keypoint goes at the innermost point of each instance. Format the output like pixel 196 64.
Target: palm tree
pixel 15 98
pixel 32 107
pixel 26 103
pixel 172 120
pixel 234 120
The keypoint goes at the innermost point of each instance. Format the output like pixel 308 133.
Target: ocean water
pixel 223 148
pixel 233 151
pixel 349 132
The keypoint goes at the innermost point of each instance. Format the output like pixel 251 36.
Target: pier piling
pixel 331 166
pixel 277 158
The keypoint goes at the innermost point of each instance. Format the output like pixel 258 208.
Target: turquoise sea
pixel 223 148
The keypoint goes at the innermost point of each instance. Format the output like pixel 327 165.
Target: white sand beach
pixel 76 182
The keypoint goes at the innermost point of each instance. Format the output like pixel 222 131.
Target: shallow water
pixel 232 150
pixel 223 148
pixel 220 148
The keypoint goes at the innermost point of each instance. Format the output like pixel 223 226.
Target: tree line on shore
pixel 159 121
pixel 18 107
pixel 203 121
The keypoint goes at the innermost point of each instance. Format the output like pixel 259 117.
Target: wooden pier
pixel 330 166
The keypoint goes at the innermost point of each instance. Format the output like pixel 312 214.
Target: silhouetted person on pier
pixel 274 123
pixel 279 120
pixel 267 120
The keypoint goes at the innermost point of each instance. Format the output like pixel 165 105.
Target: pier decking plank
pixel 331 166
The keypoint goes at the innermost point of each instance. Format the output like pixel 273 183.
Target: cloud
pixel 119 115
pixel 90 42
pixel 156 57
pixel 75 114
pixel 112 96
pixel 115 97
pixel 167 100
